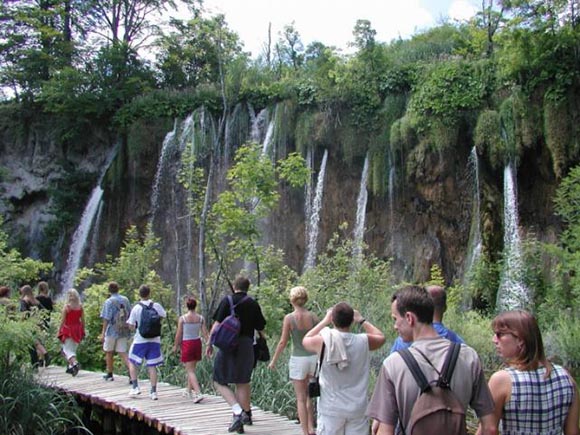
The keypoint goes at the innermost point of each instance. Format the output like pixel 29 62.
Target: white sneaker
pixel 153 395
pixel 197 397
pixel 135 391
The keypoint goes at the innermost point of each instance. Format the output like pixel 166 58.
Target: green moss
pixel 487 138
pixel 558 134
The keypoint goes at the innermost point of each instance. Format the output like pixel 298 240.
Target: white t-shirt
pixel 344 392
pixel 135 318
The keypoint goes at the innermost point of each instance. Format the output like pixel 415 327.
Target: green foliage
pixel 487 138
pixel 436 276
pixel 447 90
pixel 27 408
pixel 15 269
pixel 561 135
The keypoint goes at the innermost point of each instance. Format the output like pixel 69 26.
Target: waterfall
pixel 475 242
pixel 266 146
pixel 95 237
pixel 315 216
pixel 81 234
pixel 392 174
pixel 168 145
pixel 308 195
pixel 361 207
pixel 512 292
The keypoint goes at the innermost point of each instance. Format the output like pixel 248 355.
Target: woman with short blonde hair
pixel 302 364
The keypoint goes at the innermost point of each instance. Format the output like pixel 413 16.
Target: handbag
pixel 261 351
pixel 314 383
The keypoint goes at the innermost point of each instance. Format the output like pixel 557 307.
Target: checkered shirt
pixel 537 406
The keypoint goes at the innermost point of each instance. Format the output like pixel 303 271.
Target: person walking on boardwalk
pixel 235 367
pixel 116 332
pixel 302 364
pixel 531 395
pixel 45 304
pixel 71 330
pixel 28 305
pixel 190 328
pixel 396 390
pixel 345 368
pixel 145 319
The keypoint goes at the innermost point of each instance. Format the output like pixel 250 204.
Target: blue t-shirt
pixel 110 309
pixel 438 327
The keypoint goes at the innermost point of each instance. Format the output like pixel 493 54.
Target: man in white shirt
pixel 144 348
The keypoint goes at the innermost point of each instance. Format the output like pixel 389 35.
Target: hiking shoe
pixel 69 369
pixel 237 424
pixel 75 369
pixel 135 391
pixel 108 377
pixel 247 418
pixel 153 395
pixel 197 397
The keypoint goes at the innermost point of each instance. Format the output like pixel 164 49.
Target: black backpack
pixel 150 323
pixel 437 411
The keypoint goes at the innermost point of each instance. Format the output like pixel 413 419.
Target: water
pixel 167 147
pixel 308 195
pixel 512 293
pixel 315 216
pixel 81 234
pixel 361 207
pixel 475 241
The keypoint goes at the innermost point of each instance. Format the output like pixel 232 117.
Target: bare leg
pixel 125 359
pixel 243 394
pixel 109 361
pixel 152 376
pixel 192 382
pixel 304 406
pixel 226 393
pixel 133 371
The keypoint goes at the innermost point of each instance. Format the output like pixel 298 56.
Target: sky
pixel 332 21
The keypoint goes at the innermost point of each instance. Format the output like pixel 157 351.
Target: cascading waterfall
pixel 81 234
pixel 315 216
pixel 168 145
pixel 361 202
pixel 95 237
pixel 512 292
pixel 475 242
pixel 392 174
pixel 308 195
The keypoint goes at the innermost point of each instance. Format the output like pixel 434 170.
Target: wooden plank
pixel 170 413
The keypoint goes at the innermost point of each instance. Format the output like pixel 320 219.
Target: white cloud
pixel 328 21
pixel 462 10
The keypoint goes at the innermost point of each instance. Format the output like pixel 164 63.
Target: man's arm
pixel 312 341
pixel 571 422
pixel 384 429
pixel 374 334
pixel 487 425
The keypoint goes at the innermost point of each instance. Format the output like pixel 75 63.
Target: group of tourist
pixel 530 396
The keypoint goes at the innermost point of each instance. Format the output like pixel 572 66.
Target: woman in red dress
pixel 72 330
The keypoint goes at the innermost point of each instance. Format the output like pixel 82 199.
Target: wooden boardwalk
pixel 172 413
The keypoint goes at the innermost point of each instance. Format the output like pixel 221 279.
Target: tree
pixel 191 53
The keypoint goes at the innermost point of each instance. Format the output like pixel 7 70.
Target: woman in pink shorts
pixel 190 328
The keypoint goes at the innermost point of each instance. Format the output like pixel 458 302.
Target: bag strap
pixel 415 369
pixel 449 365
pixel 319 363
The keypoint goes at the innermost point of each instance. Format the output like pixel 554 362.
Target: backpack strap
pixel 415 369
pixel 449 365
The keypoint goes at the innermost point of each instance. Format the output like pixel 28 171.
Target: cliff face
pixel 423 220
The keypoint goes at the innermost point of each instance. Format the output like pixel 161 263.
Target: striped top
pixel 537 406
pixel 191 330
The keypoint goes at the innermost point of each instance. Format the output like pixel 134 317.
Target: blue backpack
pixel 225 335
pixel 150 323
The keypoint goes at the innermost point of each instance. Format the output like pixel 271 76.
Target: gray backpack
pixel 437 411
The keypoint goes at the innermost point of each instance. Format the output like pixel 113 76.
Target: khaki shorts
pixel 302 367
pixel 113 344
pixel 333 425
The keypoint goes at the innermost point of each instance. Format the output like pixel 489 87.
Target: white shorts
pixel 302 367
pixel 69 348
pixel 333 425
pixel 113 344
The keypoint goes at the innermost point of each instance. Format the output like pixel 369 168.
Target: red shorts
pixel 191 350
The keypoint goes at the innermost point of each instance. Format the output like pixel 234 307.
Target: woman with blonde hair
pixel 190 328
pixel 302 364
pixel 72 330
pixel 532 396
